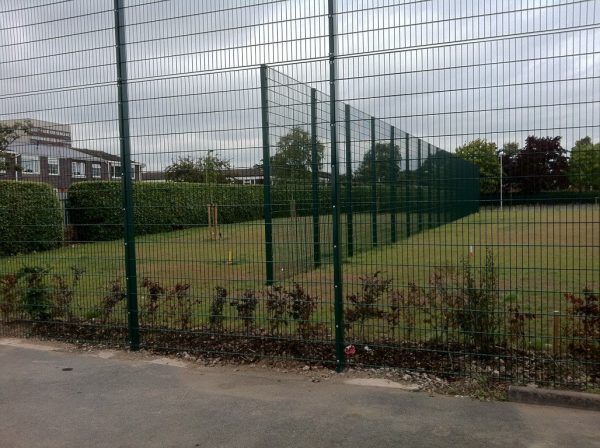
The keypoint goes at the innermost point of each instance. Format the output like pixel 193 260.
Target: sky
pixel 444 71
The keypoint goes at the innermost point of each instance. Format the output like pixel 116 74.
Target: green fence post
pixel 349 217
pixel 315 179
pixel 373 185
pixel 133 326
pixel 337 260
pixel 264 91
pixel 419 195
pixel 429 187
pixel 439 185
pixel 392 186
pixel 407 182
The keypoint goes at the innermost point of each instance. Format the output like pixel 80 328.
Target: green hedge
pixel 31 217
pixel 96 213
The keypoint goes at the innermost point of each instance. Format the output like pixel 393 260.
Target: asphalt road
pixel 51 396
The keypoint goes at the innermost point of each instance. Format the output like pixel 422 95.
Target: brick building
pixel 46 154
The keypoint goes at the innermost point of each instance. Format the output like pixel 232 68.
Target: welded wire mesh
pixel 171 177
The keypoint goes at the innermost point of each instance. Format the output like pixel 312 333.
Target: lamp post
pixel 501 173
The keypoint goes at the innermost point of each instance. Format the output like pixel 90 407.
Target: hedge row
pixel 95 208
pixel 31 217
pixel 96 213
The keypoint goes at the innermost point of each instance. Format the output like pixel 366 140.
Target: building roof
pixel 99 154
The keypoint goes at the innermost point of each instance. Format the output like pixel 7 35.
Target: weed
pixel 516 326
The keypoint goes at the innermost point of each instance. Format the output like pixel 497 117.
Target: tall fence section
pixel 402 184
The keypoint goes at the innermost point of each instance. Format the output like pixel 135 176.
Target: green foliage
pixel 246 308
pixel 209 170
pixel 31 218
pixel 277 305
pixel 63 292
pixel 216 314
pixel 9 295
pixel 582 327
pixel 115 294
pixel 366 305
pixel 96 213
pixel 292 161
pixel 484 154
pixel 387 165
pixel 584 166
pixel 8 134
pixel 181 304
pixel 36 294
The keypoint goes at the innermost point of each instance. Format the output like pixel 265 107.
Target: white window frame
pixel 77 176
pixel 3 162
pixel 99 167
pixel 114 164
pixel 30 159
pixel 55 162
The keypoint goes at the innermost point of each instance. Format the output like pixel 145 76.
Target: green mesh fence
pixel 407 184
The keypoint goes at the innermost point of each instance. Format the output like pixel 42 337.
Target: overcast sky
pixel 447 71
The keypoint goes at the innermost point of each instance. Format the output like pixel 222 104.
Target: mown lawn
pixel 540 254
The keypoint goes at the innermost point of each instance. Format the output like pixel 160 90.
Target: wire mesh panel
pixel 415 182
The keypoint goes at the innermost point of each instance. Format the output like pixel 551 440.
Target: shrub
pixel 114 295
pixel 31 217
pixel 404 308
pixel 583 324
pixel 8 295
pixel 365 306
pixel 246 308
pixel 181 304
pixel 95 207
pixel 301 308
pixel 63 291
pixel 216 315
pixel 36 294
pixel 150 308
pixel 277 304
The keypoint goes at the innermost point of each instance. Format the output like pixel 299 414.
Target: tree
pixel 542 165
pixel 387 164
pixel 484 154
pixel 292 160
pixel 584 166
pixel 210 170
pixel 8 134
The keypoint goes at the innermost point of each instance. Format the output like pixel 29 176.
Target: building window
pixel 30 165
pixel 96 173
pixel 3 164
pixel 53 169
pixel 78 169
pixel 115 171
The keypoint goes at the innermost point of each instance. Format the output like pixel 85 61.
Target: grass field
pixel 540 253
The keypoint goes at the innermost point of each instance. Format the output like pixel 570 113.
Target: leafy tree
pixel 8 134
pixel 584 166
pixel 383 159
pixel 542 165
pixel 510 151
pixel 292 160
pixel 209 169
pixel 484 154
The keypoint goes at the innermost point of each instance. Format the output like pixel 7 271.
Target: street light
pixel 500 152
